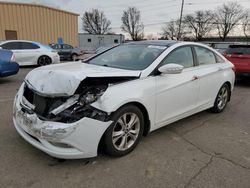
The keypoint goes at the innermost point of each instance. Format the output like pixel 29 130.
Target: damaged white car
pixel 111 100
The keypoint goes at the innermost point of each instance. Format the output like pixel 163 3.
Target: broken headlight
pixel 89 98
pixel 78 106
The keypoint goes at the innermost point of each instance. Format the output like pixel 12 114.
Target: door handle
pixel 195 78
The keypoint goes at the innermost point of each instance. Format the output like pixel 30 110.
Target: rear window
pixel 29 46
pixel 239 49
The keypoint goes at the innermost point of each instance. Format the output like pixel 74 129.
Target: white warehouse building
pixel 90 42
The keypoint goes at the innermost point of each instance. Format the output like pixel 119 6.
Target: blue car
pixel 8 66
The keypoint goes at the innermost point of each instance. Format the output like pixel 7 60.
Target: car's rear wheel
pixel 74 57
pixel 221 99
pixel 125 132
pixel 44 60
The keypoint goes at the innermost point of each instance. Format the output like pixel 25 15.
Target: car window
pixel 239 49
pixel 66 46
pixel 56 46
pixel 182 56
pixel 29 46
pixel 204 56
pixel 12 46
pixel 128 56
pixel 219 59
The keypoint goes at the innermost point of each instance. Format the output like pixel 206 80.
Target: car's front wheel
pixel 125 132
pixel 221 99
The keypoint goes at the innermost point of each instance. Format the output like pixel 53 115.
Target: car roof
pixel 6 41
pixel 166 43
pixel 17 41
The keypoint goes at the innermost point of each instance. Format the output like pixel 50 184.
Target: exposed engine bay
pixel 71 109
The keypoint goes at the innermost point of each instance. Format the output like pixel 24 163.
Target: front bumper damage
pixel 78 139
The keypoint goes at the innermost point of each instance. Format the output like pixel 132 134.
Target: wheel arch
pixel 147 124
pixel 145 115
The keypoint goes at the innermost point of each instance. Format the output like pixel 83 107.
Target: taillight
pixel 13 58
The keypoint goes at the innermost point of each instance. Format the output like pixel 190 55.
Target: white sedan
pixel 116 97
pixel 30 52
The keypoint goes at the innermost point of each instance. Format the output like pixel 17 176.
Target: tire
pixel 44 60
pixel 120 139
pixel 74 57
pixel 222 99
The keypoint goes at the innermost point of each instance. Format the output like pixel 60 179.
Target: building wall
pixel 90 42
pixel 38 23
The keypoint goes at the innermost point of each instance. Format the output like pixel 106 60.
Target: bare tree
pixel 227 17
pixel 131 23
pixel 95 22
pixel 171 30
pixel 199 23
pixel 246 25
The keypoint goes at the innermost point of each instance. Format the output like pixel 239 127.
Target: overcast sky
pixel 154 12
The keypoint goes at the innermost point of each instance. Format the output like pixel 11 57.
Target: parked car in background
pixel 239 55
pixel 30 52
pixel 8 66
pixel 99 50
pixel 67 52
pixel 114 98
pixel 221 47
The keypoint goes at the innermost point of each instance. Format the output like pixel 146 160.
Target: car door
pixel 58 48
pixel 177 94
pixel 211 70
pixel 15 47
pixel 66 50
pixel 29 53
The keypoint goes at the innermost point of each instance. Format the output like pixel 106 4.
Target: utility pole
pixel 179 32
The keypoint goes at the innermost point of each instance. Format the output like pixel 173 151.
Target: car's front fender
pixel 141 91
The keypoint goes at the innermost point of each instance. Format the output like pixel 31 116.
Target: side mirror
pixel 171 69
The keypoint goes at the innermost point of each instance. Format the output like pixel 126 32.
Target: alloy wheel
pixel 126 131
pixel 222 98
pixel 44 60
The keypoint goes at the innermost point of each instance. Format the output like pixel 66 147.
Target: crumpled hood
pixel 64 79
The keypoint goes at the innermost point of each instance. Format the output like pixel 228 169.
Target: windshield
pixel 128 56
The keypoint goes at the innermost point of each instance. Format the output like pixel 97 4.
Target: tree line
pixel 221 21
pixel 95 22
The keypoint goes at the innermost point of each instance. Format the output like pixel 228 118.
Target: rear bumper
pixel 239 71
pixel 242 68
